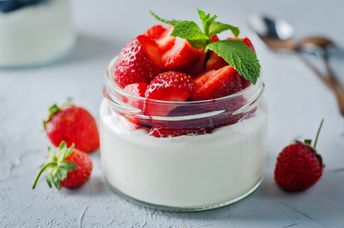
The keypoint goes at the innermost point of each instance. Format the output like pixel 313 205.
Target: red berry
pixel 155 32
pixel 166 41
pixel 199 66
pixel 72 124
pixel 298 166
pixel 248 43
pixel 217 83
pixel 215 62
pixel 68 167
pixel 81 174
pixel 180 57
pixel 139 61
pixel 137 89
pixel 167 86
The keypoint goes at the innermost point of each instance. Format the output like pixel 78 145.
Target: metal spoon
pixel 278 36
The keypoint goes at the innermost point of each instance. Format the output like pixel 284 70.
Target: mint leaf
pixel 206 19
pixel 188 30
pixel 239 56
pixel 218 27
pixel 170 22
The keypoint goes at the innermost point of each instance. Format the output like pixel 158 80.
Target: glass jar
pixel 215 158
pixel 36 34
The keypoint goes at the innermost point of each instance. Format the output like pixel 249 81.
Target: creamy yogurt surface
pixel 36 34
pixel 186 171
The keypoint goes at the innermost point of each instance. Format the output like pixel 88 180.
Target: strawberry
pixel 166 132
pixel 167 86
pixel 215 62
pixel 180 57
pixel 217 83
pixel 67 167
pixel 166 41
pixel 299 166
pixel 199 66
pixel 214 38
pixel 139 61
pixel 72 124
pixel 248 43
pixel 137 89
pixel 155 32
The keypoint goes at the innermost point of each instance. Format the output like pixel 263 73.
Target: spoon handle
pixel 330 80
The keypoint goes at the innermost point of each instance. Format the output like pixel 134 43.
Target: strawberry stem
pixel 43 168
pixel 318 133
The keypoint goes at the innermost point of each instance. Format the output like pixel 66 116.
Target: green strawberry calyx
pixel 55 108
pixel 56 166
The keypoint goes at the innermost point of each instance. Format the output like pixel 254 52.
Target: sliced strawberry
pixel 155 32
pixel 245 83
pixel 215 62
pixel 214 38
pixel 217 83
pixel 137 89
pixel 167 86
pixel 199 66
pixel 180 57
pixel 166 132
pixel 166 41
pixel 139 61
pixel 248 43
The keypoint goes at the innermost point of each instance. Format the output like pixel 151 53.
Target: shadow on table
pixel 89 47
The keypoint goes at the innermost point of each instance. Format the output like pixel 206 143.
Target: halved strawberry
pixel 214 38
pixel 199 66
pixel 180 57
pixel 137 89
pixel 139 61
pixel 155 32
pixel 215 62
pixel 166 41
pixel 248 43
pixel 167 86
pixel 217 83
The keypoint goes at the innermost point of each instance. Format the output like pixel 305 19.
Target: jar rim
pixel 112 86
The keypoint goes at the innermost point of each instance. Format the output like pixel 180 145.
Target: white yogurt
pixel 36 34
pixel 187 171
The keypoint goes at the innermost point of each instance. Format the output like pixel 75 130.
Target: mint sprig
pixel 234 52
pixel 238 55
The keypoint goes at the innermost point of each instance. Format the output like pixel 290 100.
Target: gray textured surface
pixel 296 102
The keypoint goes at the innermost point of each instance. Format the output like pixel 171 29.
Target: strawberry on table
pixel 139 61
pixel 167 86
pixel 299 166
pixel 74 125
pixel 217 83
pixel 67 167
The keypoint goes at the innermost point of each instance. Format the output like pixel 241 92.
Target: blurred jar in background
pixel 34 32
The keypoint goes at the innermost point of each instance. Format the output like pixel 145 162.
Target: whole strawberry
pixel 67 167
pixel 299 166
pixel 74 125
